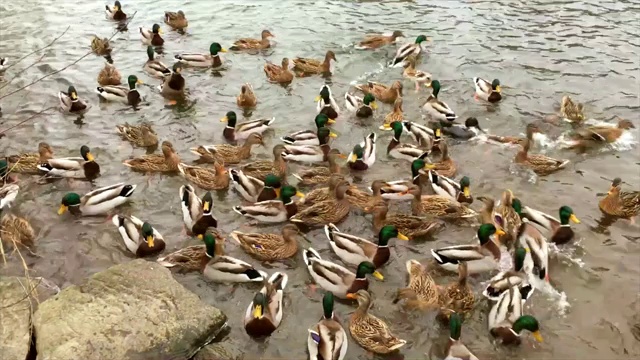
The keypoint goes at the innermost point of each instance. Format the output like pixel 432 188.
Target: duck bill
pixel 206 206
pixel 403 237
pixel 537 336
pixel 498 89
pixel 223 50
pixel 466 191
pixel 386 126
pixel 352 296
pixel 374 105
pixel 150 241
pixel 257 311
pixel 317 98
pixel 200 236
pixel 74 96
pixel 62 209
pixel 438 133
pixel 500 232
pixel 224 119
pixel 342 156
pixel 333 135
pixel 331 121
pixel 90 157
pixel 429 166
pixel 574 219
pixel 353 158
pixel 139 82
pixel 299 194
pixel 277 193
pixel 378 275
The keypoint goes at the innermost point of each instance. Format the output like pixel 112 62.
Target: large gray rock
pixel 129 311
pixel 15 317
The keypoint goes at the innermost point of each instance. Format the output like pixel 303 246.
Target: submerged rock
pixel 130 311
pixel 15 315
pixel 220 351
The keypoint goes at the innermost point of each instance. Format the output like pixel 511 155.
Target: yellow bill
pixel 527 249
pixel 403 237
pixel 139 82
pixel 90 156
pixel 160 31
pixel 498 89
pixel 277 192
pixel 331 121
pixel 386 126
pixel 223 50
pixel 537 336
pixel 438 132
pixel 257 311
pixel 317 98
pixel 200 237
pixel 352 296
pixel 224 119
pixel 466 191
pixel 353 157
pixel 206 206
pixel 74 96
pixel 333 135
pixel 299 194
pixel 429 166
pixel 574 219
pixel 500 232
pixel 374 105
pixel 377 275
pixel 62 209
pixel 150 241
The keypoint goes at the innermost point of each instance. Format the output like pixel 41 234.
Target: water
pixel 540 50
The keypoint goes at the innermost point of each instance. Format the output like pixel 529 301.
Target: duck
pixel 571 111
pixel 361 198
pixel 216 178
pixel 8 193
pixel 28 163
pixel 506 216
pixel 326 104
pixel 353 250
pixel 197 214
pixel 421 293
pixel 399 189
pixel 310 153
pixel 336 278
pixel 423 135
pixel 459 295
pixel 540 164
pixel 71 103
pixel 166 162
pixel 270 247
pixel 4 65
pixel 506 320
pixel 97 202
pixel 383 93
pixel 260 169
pixel 173 85
pixel 84 167
pixel 362 107
pixel 253 44
pixel 363 155
pixel 530 237
pixel 411 226
pixel 155 67
pixel 395 115
pixel 328 211
pixel 437 109
pixel 455 349
pixel 141 135
pixel 228 154
pixel 116 12
pixel 417 76
pixel 327 338
pixel 377 41
pixel 618 203
pixel 209 260
pixel 469 130
pixel 438 205
pixel 272 211
pixel 560 230
pixel 16 230
pixel 279 74
pixel 130 96
pixel 510 278
pixel 407 49
pixel 212 59
pixel 319 174
pixel 455 190
pixel 321 194
pixel 598 135
pixel 100 46
pixel 488 91
pixel 255 190
pixel 446 166
pixel 177 20
pixel 140 238
pixel 480 258
pixel 308 137
pixel 264 313
pixel 247 98
pixel 307 66
pixel 109 75
pixel 369 331
pixel 240 131
pixel 152 37
pixel 397 150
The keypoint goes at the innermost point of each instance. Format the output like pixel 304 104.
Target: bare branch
pixel 23 70
pixel 27 119
pixel 42 48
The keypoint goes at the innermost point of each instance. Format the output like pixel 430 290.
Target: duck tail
pixel 329 230
pixel 297 177
pixel 239 210
pixel 288 140
pixel 309 254
pixel 279 280
pixel 269 122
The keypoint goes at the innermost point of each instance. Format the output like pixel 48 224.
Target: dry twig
pixel 42 48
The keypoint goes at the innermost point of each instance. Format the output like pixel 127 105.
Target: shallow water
pixel 540 51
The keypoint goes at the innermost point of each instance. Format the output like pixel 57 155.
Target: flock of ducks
pixel 512 245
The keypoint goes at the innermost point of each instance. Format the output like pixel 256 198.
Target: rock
pixel 15 312
pixel 134 310
pixel 219 351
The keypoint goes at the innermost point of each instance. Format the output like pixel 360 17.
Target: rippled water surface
pixel 540 50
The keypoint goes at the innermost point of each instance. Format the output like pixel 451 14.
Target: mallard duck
pixel 376 41
pixel 4 62
pixel 269 247
pixel 363 155
pixel 215 266
pixel 28 163
pixel 109 75
pixel 437 109
pixel 598 135
pixel 321 194
pixel 326 104
pixel 336 278
pixel 308 137
pixel 139 236
pixel 417 76
pixel 506 321
pixel 397 150
pixel 174 84
pixel 327 339
pixel 384 93
pixel 228 154
pixel 272 211
pixel 488 91
pixel 455 349
pixel 560 230
pixel 469 130
pixel 16 230
pixel 155 67
pixel 176 20
pixel 444 186
pixel 328 211
pixel 459 295
pixel 423 135
pixel 247 98
pixel 623 204
pixel 253 44
pixel 97 202
pixel 8 194
pixel 363 107
pixel 115 13
pixel 203 60
pixel 510 278
pixel 197 214
pixel 239 131
pixel 264 313
pixel 311 153
pixel 142 135
pixel 530 237
pixel 399 189
pixel 100 46
pixel 83 167
pixel 438 205
pixel 395 115
pixel 411 226
pixel 370 332
pixel 540 164
pixel 353 250
pixel 571 111
pixel 405 50
pixel 260 169
pixel 361 198
pixel 320 174
pixel 255 190
pixel 421 293
pixel 129 96
pixel 216 178
pixel 306 66
pixel 279 74
pixel 480 258
pixel 446 166
pixel 507 217
pixel 70 102
pixel 166 162
pixel 152 37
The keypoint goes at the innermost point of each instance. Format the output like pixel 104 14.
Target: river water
pixel 540 50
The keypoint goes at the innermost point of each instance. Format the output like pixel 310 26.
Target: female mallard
pixel 417 76
pixel 353 250
pixel 540 164
pixel 405 50
pixel 28 163
pixel 155 67
pixel 510 278
pixel 83 167
pixel 599 135
pixel 203 60
pixel 210 261
pixel 321 194
pixel 109 75
pixel 363 155
pixel 311 153
pixel 336 278
pixel 308 137
pixel 560 230
pixel 361 199
pixel 176 20
pixel 152 37
pixel 446 166
pixel 272 211
pixel 326 104
pixel 397 150
pixel 623 204
pixel 320 174
pixel 328 211
pixel 386 94
pixel 255 190
pixel 240 131
pixel 444 186
pixel 571 111
pixel 270 247
pixel 456 350
pixel 71 103
pixel 376 41
pixel 115 13
pixel 228 154
pixel 306 66
pixel 142 135
pixel 139 237
pixel 253 44
pixel 363 107
pixel 247 98
pixel 260 169
pixel 264 313
pixel 438 205
pixel 395 115
pixel 488 91
pixel 506 216
pixel 197 214
pixel 437 109
pixel 100 46
pixel 129 96
pixel 327 339
pixel 97 202
pixel 370 332
pixel 506 321
pixel 279 74
pixel 412 226
pixel 16 230
pixel 166 162
pixel 459 295
pixel 216 178
pixel 421 293
pixel 480 258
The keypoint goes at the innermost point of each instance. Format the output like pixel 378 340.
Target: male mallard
pixel 327 339
pixel 507 217
pixel 272 211
pixel 16 230
pixel 215 266
pixel 438 205
pixel 571 111
pixel 247 98
pixel 399 189
pixel 253 44
pixel 155 67
pixel 97 202
pixel 308 137
pixel 353 250
pixel 510 278
pixel 228 154
pixel 115 13
pixel 307 66
pixel 369 331
pixel 363 155
pixel 488 91
pixel 83 167
pixel 8 194
pixel 28 163
pixel 321 194
pixel 561 232
pixel 446 166
pixel 269 247
pixel 129 96
pixel 363 107
pixel 540 164
pixel 176 20
pixel 279 74
pixel 459 295
pixel 405 50
pixel 384 93
pixel 203 60
pixel 320 174
pixel 310 153
pixel 100 46
pixel 423 135
pixel 166 162
pixel 197 214
pixel 623 204
pixel 506 321
pixel 411 226
pixel 264 313
pixel 376 41
pixel 530 237
pixel 326 104
pixel 139 237
pixel 260 169
pixel 70 102
pixel 239 131
pixel 174 84
pixel 402 151
pixel 417 76
pixel 421 293
pixel 469 130
pixel 336 278
pixel 109 75
pixel 395 115
pixel 216 178
pixel 456 350
pixel 329 211
pixel 444 186
pixel 437 109
pixel 142 135
pixel 599 135
pixel 255 190
pixel 152 37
